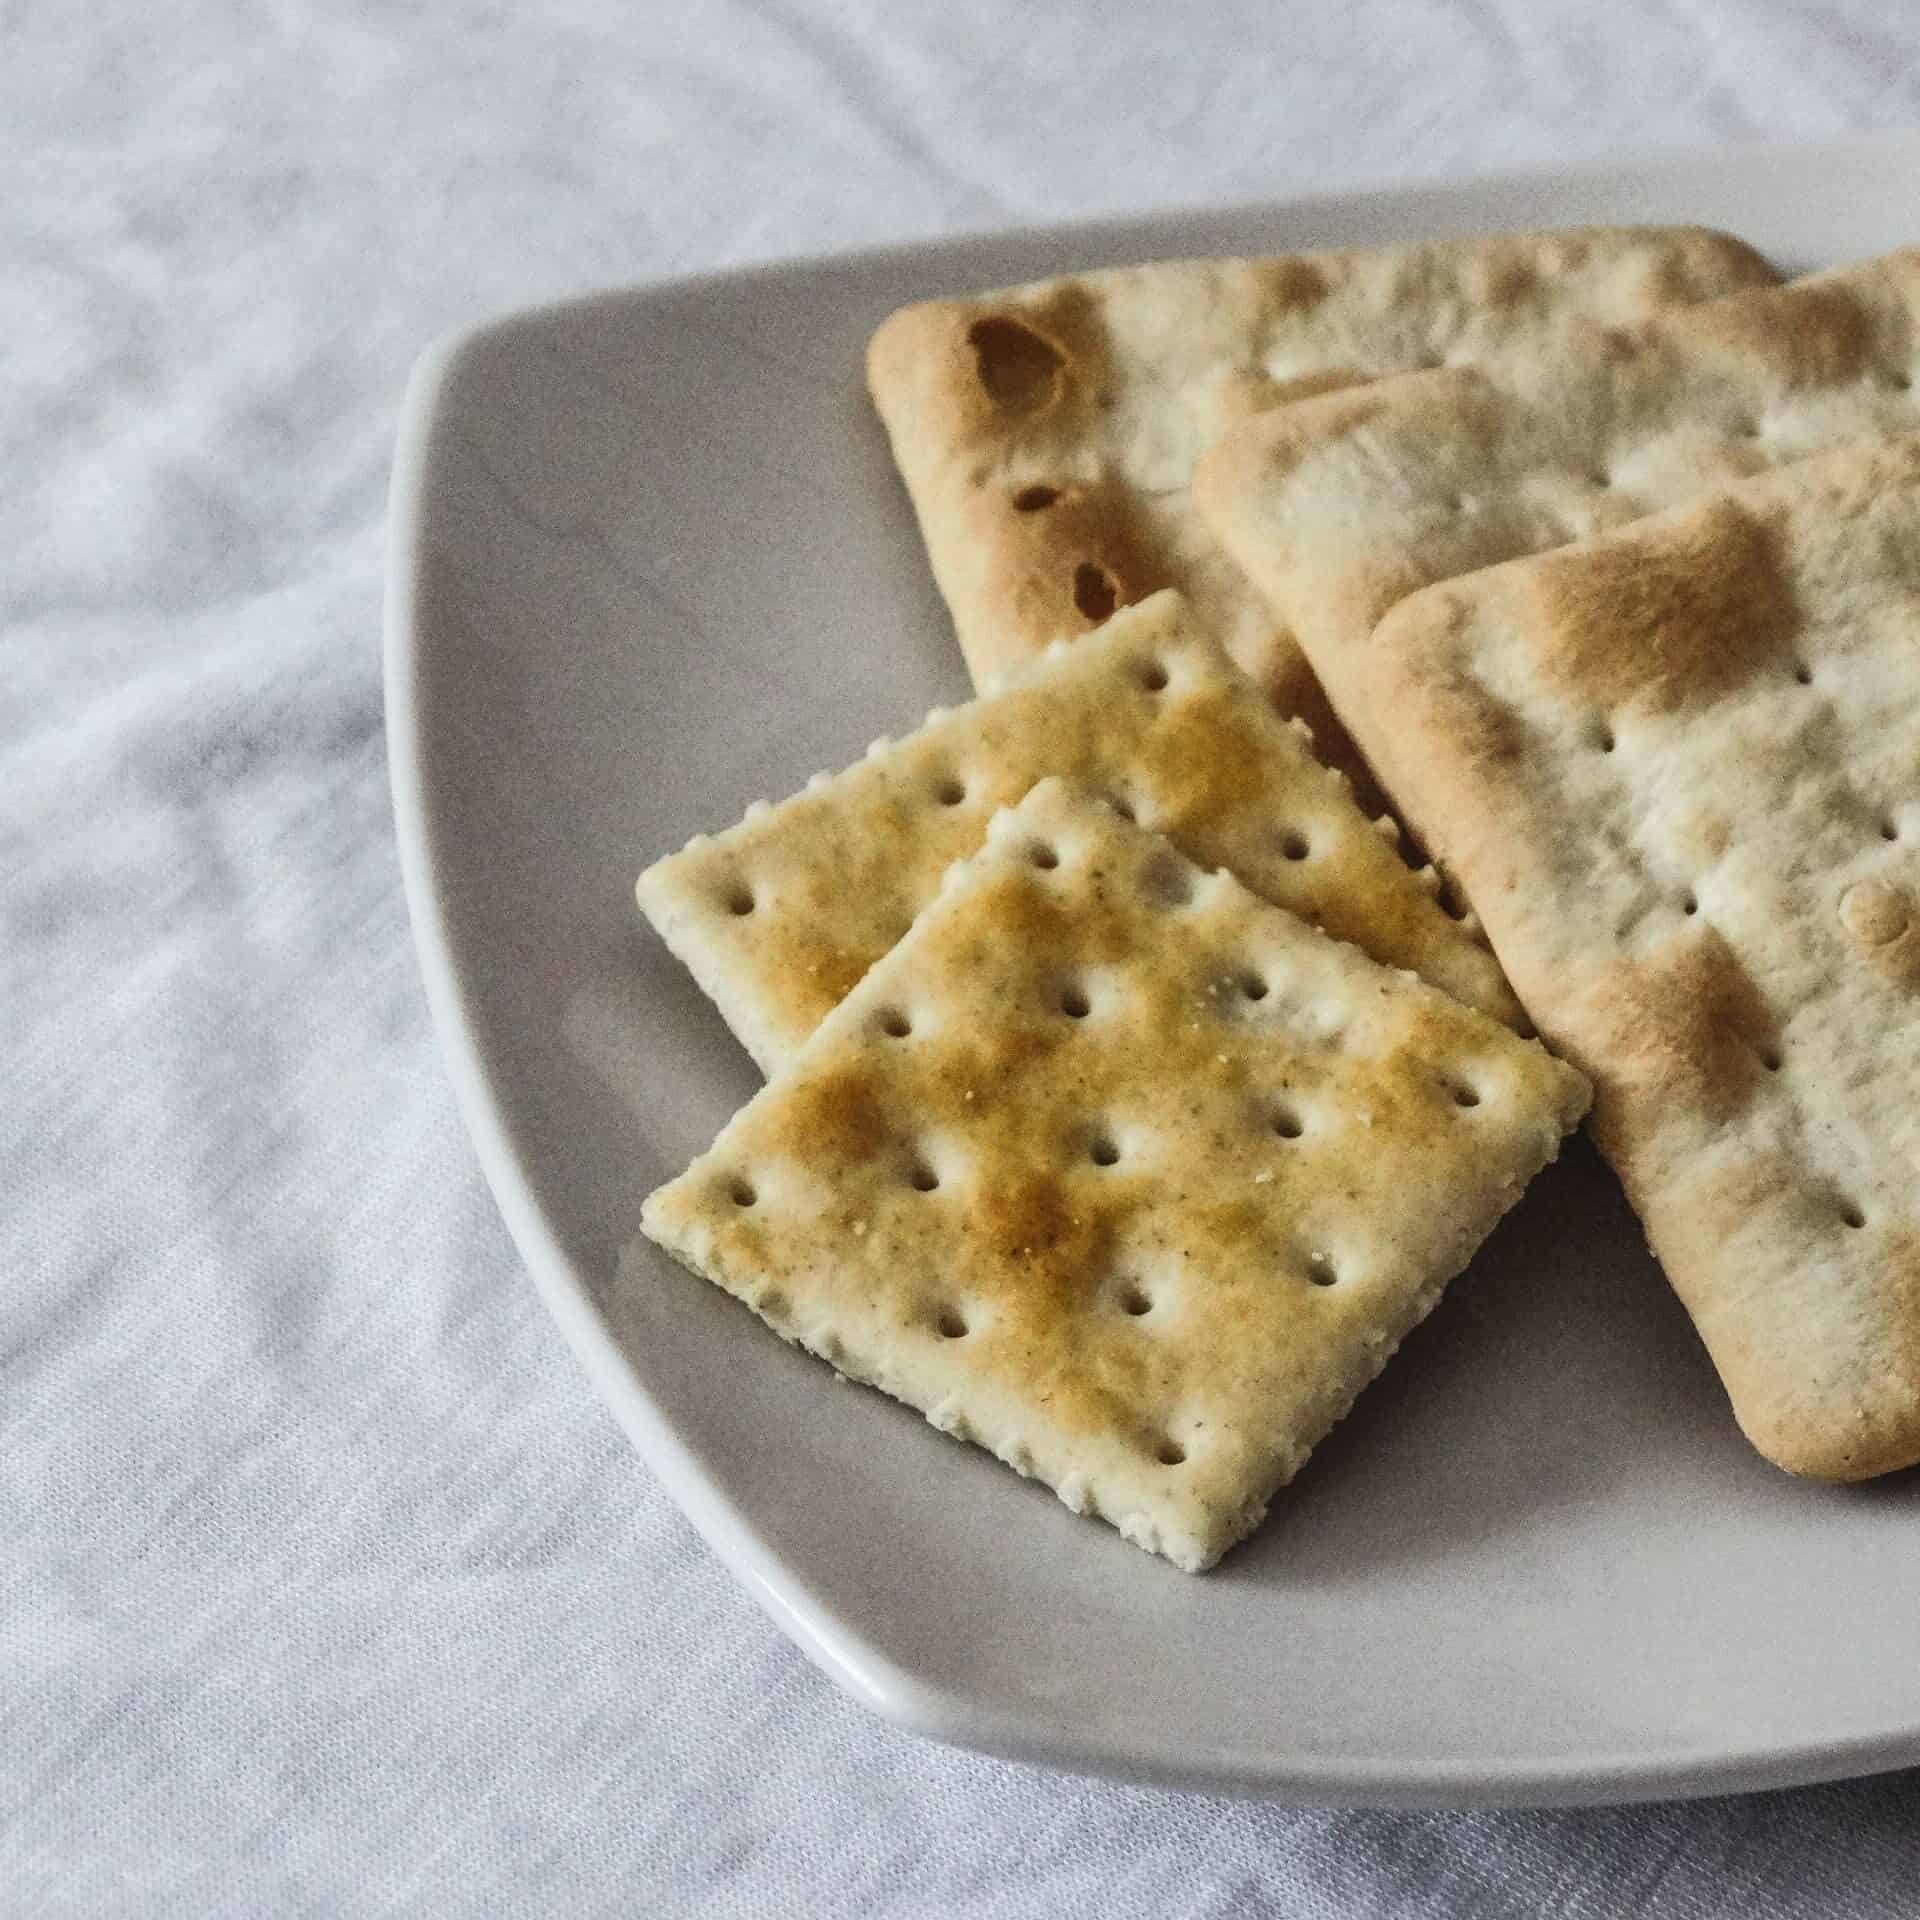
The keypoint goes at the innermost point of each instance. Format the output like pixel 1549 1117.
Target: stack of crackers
pixel 1133 1086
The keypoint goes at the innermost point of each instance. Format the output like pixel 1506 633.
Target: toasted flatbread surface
pixel 778 917
pixel 1048 433
pixel 1338 508
pixel 1678 768
pixel 1120 1172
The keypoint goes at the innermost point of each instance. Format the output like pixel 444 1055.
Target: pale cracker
pixel 779 916
pixel 1678 768
pixel 1338 508
pixel 1120 1172
pixel 1047 433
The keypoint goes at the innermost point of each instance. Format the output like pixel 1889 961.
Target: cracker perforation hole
pixel 739 900
pixel 741 1192
pixel 922 1178
pixel 1103 1150
pixel 1321 1271
pixel 1294 845
pixel 1074 1002
pixel 1019 370
pixel 1690 905
pixel 1035 499
pixel 895 1024
pixel 1044 856
pixel 1095 591
pixel 1889 829
pixel 1464 1095
pixel 1769 1058
pixel 1253 986
pixel 1169 1452
pixel 1153 676
pixel 952 1324
pixel 1133 1299
pixel 949 792
pixel 1287 1122
pixel 1853 1215
pixel 1124 808
pixel 1605 740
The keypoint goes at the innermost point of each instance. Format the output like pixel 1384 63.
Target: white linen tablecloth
pixel 327 1586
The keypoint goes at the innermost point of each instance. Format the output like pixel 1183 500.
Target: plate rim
pixel 830 1640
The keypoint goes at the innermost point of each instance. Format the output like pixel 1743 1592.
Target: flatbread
pixel 1047 433
pixel 1678 767
pixel 1338 508
pixel 1121 1173
pixel 778 917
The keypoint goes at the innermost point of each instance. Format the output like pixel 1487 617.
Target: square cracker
pixel 779 916
pixel 1120 1172
pixel 1047 433
pixel 1338 508
pixel 1679 769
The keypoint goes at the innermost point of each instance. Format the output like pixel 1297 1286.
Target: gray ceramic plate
pixel 649 563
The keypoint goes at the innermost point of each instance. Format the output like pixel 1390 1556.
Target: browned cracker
pixel 1678 769
pixel 1047 433
pixel 1338 508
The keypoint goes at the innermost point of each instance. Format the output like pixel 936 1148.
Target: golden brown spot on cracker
pixel 1501 280
pixel 1019 368
pixel 820 973
pixel 1024 916
pixel 1294 282
pixel 1876 912
pixel 1042 1254
pixel 973 1076
pixel 1487 732
pixel 1683 1027
pixel 1809 336
pixel 1679 614
pixel 1197 757
pixel 1032 1221
pixel 1881 917
pixel 835 1119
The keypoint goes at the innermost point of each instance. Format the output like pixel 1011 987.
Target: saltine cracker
pixel 1120 1172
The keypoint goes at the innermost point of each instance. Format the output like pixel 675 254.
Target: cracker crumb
pixel 1264 1177
pixel 859 1227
